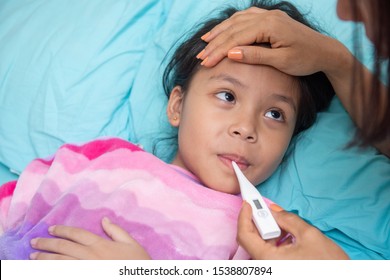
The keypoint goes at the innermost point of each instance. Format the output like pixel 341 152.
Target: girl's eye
pixel 275 114
pixel 226 96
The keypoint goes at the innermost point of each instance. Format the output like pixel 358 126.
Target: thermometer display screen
pixel 257 204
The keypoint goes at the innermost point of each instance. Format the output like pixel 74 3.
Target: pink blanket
pixel 162 206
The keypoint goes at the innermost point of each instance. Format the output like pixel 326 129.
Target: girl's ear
pixel 174 106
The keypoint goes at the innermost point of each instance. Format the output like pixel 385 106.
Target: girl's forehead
pixel 245 76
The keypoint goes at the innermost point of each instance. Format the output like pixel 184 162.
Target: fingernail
pixel 235 54
pixel 33 256
pixel 204 61
pixel 106 220
pixel 33 242
pixel 275 207
pixel 51 229
pixel 200 54
pixel 204 37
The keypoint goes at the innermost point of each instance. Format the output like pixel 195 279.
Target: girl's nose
pixel 245 130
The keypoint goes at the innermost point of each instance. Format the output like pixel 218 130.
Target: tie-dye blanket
pixel 163 207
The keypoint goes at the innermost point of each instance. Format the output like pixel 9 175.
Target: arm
pixel 296 50
pixel 75 243
pixel 309 242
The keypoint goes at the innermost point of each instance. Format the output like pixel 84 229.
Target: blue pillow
pixel 6 175
pixel 66 71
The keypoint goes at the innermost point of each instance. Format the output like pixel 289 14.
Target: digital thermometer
pixel 261 215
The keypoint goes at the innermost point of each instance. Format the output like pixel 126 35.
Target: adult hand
pixel 76 243
pixel 291 47
pixel 309 242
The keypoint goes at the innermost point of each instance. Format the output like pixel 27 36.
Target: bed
pixel 73 71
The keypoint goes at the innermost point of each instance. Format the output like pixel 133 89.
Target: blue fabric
pixel 6 175
pixel 67 69
pixel 72 71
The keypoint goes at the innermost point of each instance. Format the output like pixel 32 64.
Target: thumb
pixel 247 235
pixel 245 224
pixel 116 232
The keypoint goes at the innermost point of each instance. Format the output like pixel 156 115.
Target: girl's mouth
pixel 227 159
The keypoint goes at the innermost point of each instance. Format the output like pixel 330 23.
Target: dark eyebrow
pixel 286 99
pixel 228 78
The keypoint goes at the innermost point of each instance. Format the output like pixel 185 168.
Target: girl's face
pixel 234 112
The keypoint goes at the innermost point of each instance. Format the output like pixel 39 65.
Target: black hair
pixel 316 91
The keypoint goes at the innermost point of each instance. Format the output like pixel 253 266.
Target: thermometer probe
pixel 261 215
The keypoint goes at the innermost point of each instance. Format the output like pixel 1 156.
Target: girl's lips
pixel 228 158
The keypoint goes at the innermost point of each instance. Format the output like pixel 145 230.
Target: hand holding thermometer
pixel 261 215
